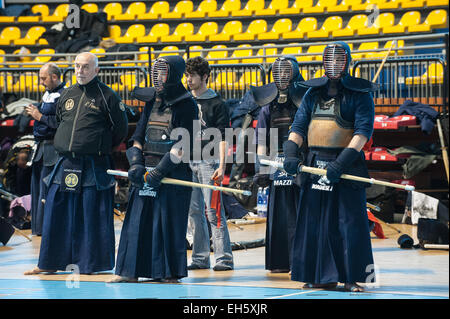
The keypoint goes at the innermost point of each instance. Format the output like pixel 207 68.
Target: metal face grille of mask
pixel 334 61
pixel 282 73
pixel 160 73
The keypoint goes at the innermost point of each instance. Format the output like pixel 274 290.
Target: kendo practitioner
pixel 208 169
pixel 78 227
pixel 280 101
pixel 335 120
pixel 153 238
pixel 44 129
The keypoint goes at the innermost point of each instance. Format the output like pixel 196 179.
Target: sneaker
pixel 195 267
pixel 222 268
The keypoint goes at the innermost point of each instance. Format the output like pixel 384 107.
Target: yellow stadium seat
pixel 292 50
pixel 395 51
pixel 40 9
pixel 112 10
pixel 433 75
pixel 321 6
pixel 317 50
pixel 127 82
pixel 182 8
pixel 343 6
pixel 144 57
pixel 217 55
pixel 305 25
pixel 226 9
pixel 90 7
pixel 255 27
pixel 390 4
pixel 297 7
pixel 206 30
pixel 157 32
pixel 329 25
pixel 169 50
pixel 382 54
pixel 2 57
pixel 98 52
pixel 194 51
pixel 267 50
pixel 114 32
pixel 205 8
pixel 180 33
pixel 58 15
pixel 355 23
pixel 9 34
pixel 279 27
pixel 132 11
pixel 274 8
pixel 251 7
pixel 44 56
pixel 27 83
pixel 408 19
pixel 383 20
pixel 435 19
pixel 157 11
pixel 230 29
pixel 359 5
pixel 9 19
pixel 413 4
pixel 225 79
pixel 249 78
pixel 433 3
pixel 364 46
pixel 242 54
pixel 319 73
pixel 6 80
pixel 134 32
pixel 32 36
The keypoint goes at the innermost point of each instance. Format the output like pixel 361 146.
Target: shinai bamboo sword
pixel 173 181
pixel 321 171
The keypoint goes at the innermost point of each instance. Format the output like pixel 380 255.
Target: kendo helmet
pixel 167 71
pixel 284 71
pixel 336 60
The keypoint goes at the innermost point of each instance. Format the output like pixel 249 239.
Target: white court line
pixel 295 293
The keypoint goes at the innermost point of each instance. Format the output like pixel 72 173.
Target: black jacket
pixel 92 120
pixel 213 111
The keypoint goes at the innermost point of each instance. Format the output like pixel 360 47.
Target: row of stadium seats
pixel 307 28
pixel 244 53
pixel 230 8
pixel 29 82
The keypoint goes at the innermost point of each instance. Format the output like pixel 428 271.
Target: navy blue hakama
pixel 332 239
pixel 153 238
pixel 280 229
pixel 78 229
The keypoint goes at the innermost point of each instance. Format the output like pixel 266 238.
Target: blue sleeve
pixel 139 133
pixel 364 115
pixel 50 121
pixel 303 116
pixel 263 123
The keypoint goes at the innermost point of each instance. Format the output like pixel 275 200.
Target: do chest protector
pixel 327 128
pixel 281 118
pixel 157 134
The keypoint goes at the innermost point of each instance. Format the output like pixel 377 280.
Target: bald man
pixel 44 130
pixel 78 229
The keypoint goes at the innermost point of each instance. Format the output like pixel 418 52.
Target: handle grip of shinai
pixel 321 171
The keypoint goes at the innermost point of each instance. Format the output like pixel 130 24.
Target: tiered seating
pixel 433 75
pixel 305 26
pixel 278 21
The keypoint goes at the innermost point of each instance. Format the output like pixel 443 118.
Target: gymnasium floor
pixel 402 274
